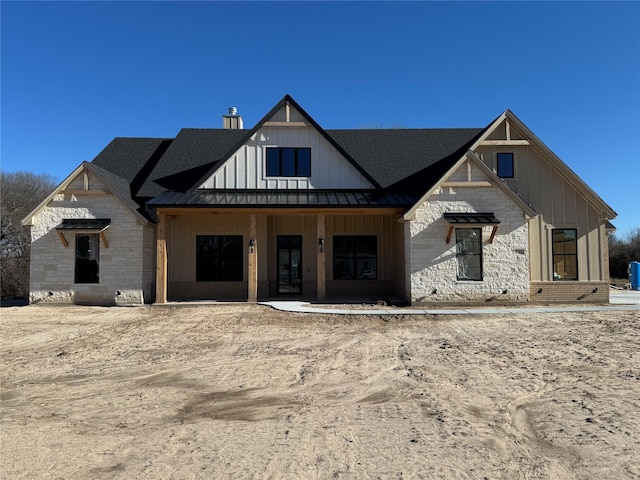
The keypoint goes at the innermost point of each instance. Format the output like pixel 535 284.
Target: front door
pixel 289 264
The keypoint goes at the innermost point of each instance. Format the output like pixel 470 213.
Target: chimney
pixel 232 121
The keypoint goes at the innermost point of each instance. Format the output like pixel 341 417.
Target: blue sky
pixel 77 74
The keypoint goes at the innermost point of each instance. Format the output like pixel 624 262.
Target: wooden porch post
pixel 320 264
pixel 161 259
pixel 252 273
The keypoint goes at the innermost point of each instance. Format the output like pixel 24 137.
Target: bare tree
pixel 20 193
pixel 622 251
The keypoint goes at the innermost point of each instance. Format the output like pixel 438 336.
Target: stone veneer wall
pixel 431 262
pixel 53 265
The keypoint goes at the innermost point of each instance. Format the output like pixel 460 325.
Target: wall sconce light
pixel 321 245
pixel 252 245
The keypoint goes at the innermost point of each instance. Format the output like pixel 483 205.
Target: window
pixel 87 259
pixel 469 253
pixel 565 254
pixel 505 165
pixel 288 162
pixel 355 257
pixel 219 258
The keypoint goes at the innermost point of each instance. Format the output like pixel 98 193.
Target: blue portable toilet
pixel 634 275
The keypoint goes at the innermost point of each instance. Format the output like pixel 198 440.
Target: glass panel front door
pixel 290 264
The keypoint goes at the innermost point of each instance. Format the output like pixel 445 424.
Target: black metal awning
pixel 99 224
pixel 459 218
pixel 282 199
pixel 471 219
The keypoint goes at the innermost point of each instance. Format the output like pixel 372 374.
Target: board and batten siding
pixel 560 204
pixel 246 169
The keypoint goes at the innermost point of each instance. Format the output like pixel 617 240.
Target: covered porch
pixel 252 254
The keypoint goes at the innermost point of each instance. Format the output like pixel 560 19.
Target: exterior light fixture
pixel 321 245
pixel 252 245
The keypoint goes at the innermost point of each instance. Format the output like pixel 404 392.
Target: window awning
pixel 93 225
pixel 458 218
pixel 471 219
pixel 100 224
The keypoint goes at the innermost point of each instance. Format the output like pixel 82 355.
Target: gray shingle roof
pixel 193 151
pixel 397 160
pixel 132 159
pixel 393 155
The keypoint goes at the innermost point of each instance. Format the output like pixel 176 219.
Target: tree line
pixel 21 192
pixel 622 251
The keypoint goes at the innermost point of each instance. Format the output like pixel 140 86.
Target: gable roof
pixel 569 174
pixel 117 185
pixel 471 156
pixel 248 134
pixel 412 161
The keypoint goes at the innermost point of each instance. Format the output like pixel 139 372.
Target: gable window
pixel 469 253
pixel 288 162
pixel 219 258
pixel 355 257
pixel 565 254
pixel 87 268
pixel 505 165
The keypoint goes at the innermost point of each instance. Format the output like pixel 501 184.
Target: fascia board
pixel 409 215
pixel 28 220
pixel 127 201
pixel 477 161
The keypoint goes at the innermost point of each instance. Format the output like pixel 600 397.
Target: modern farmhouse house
pixel 289 209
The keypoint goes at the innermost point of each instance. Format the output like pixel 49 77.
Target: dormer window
pixel 288 162
pixel 505 165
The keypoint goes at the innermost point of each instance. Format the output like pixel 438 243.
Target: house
pixel 289 209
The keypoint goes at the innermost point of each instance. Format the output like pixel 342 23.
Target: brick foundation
pixel 569 292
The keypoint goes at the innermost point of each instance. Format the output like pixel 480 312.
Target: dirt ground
pixel 240 391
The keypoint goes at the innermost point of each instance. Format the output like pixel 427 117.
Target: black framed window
pixel 288 162
pixel 505 165
pixel 565 253
pixel 87 268
pixel 219 258
pixel 469 253
pixel 355 257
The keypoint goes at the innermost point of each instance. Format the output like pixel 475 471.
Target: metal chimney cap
pixel 233 111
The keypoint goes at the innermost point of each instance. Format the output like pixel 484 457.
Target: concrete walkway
pixel 620 300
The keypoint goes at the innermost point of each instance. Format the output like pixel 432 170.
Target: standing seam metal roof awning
pixel 469 219
pixel 98 225
pixel 460 218
pixel 282 199
pixel 84 224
